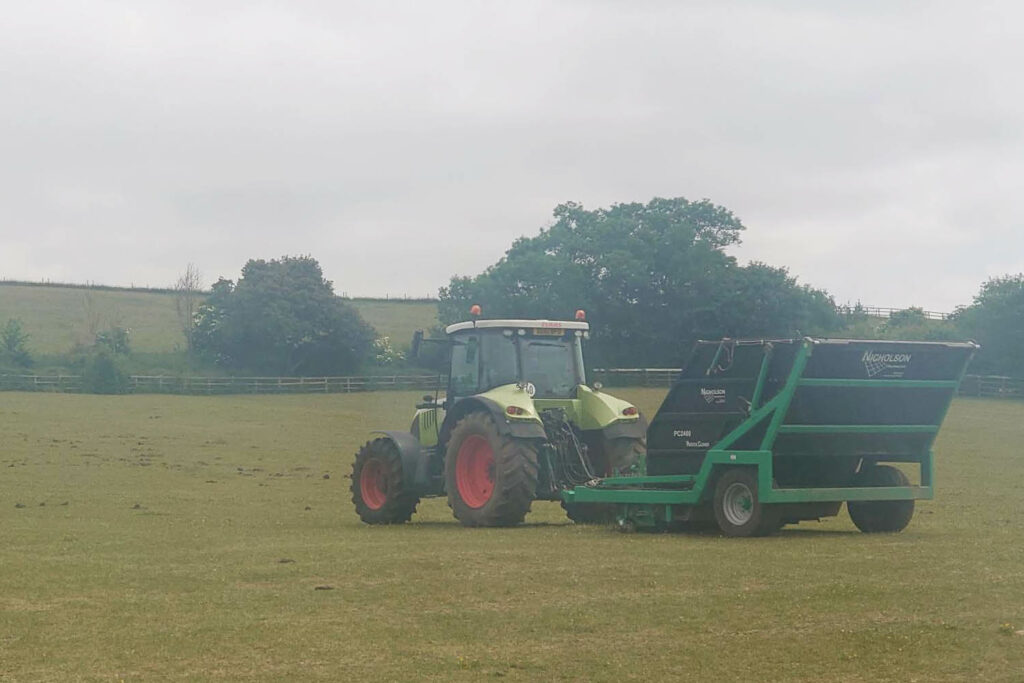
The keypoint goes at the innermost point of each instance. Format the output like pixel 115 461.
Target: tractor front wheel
pixel 491 478
pixel 881 516
pixel 738 510
pixel 378 488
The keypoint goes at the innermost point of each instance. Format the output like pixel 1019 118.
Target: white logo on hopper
pixel 885 364
pixel 713 395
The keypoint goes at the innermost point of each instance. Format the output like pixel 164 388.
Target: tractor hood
pixel 590 409
pixel 601 410
pixel 514 402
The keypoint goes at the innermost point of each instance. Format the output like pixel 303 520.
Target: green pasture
pixel 397 319
pixel 161 537
pixel 57 318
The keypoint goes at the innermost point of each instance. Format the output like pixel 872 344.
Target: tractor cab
pixel 546 355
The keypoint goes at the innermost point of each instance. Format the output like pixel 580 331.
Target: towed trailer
pixel 756 434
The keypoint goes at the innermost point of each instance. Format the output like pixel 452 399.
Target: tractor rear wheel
pixel 738 510
pixel 491 478
pixel 881 516
pixel 378 489
pixel 616 455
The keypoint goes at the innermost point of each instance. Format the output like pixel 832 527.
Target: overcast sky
pixel 873 148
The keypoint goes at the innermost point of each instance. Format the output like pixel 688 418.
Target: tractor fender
pixel 633 429
pixel 415 463
pixel 505 426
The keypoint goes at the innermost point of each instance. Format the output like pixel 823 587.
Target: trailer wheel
pixel 737 508
pixel 881 516
pixel 491 478
pixel 615 455
pixel 378 490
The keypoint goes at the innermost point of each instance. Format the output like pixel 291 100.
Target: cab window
pixel 498 360
pixel 465 365
pixel 551 366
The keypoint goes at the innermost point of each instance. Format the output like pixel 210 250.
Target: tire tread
pixel 400 507
pixel 515 463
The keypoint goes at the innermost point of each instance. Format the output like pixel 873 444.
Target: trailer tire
pixel 738 511
pixel 378 486
pixel 617 455
pixel 881 516
pixel 491 478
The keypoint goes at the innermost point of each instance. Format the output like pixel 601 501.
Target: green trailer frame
pixel 650 499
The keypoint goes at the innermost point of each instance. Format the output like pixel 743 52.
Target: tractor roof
pixel 518 324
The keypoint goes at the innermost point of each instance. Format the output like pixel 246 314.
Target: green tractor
pixel 518 423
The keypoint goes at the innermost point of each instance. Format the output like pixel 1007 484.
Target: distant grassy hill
pixel 58 317
pixel 396 318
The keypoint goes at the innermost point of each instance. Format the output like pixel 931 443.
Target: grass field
pixel 56 318
pixel 397 319
pixel 157 537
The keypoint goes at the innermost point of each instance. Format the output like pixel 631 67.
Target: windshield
pixel 498 361
pixel 482 361
pixel 551 366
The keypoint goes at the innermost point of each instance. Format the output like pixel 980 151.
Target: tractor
pixel 518 423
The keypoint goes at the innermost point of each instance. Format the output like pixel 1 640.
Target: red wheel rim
pixel 474 471
pixel 373 484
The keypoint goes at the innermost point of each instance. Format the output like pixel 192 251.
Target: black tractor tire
pixel 491 478
pixel 378 487
pixel 738 510
pixel 617 455
pixel 621 454
pixel 881 516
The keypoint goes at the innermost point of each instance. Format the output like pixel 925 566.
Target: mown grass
pixel 57 318
pixel 177 537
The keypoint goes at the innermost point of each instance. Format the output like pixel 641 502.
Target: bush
pixel 385 354
pixel 115 339
pixel 13 347
pixel 104 374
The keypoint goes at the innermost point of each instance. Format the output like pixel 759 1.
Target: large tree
pixel 282 318
pixel 653 277
pixel 996 321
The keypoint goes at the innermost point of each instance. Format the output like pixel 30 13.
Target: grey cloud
pixel 874 148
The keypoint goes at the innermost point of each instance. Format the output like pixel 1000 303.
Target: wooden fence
pixel 883 312
pixel 635 377
pixel 155 384
pixel 973 385
pixel 992 386
pixel 278 385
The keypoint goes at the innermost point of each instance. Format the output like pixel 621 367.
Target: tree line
pixel 653 278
